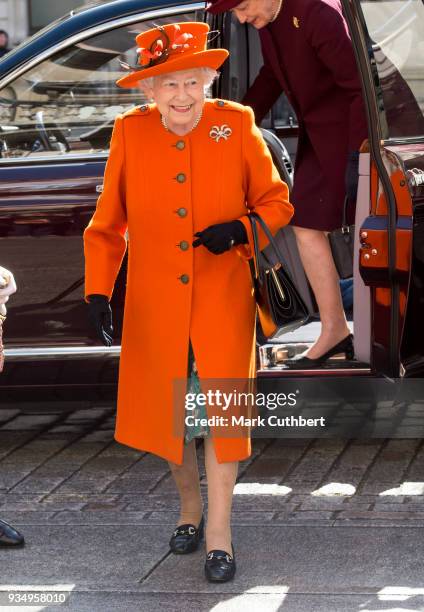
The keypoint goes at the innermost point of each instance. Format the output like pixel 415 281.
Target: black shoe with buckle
pixel 186 538
pixel 220 566
pixel 301 361
pixel 9 536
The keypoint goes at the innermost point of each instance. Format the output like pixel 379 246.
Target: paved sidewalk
pixel 97 517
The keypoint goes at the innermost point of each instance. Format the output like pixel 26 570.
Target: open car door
pixel 388 37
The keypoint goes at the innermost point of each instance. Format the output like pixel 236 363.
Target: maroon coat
pixel 308 54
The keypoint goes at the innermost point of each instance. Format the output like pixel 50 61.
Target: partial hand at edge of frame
pixel 100 317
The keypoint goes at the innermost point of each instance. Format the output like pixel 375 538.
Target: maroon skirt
pixel 319 188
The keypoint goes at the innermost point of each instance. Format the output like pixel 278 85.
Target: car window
pixel 66 105
pixel 396 47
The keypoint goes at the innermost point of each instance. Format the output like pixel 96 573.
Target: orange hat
pixel 172 47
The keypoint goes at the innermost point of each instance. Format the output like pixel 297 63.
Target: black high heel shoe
pixel 186 538
pixel 220 566
pixel 344 346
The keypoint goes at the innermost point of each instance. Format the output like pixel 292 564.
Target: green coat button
pixel 180 145
pixel 182 212
pixel 181 177
pixel 184 245
pixel 184 278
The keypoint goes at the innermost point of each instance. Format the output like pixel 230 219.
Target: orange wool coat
pixel 162 188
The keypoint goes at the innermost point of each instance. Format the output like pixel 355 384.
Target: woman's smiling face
pixel 179 97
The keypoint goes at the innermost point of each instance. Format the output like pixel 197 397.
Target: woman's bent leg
pixel 221 480
pixel 315 252
pixel 186 477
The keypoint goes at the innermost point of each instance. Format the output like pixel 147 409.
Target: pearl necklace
pixel 277 12
pixel 195 124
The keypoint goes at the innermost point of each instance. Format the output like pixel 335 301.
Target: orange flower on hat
pixel 172 47
pixel 148 57
pixel 145 55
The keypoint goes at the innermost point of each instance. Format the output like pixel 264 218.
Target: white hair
pixel 209 75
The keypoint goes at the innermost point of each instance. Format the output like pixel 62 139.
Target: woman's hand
pixel 7 287
pixel 221 237
pixel 100 317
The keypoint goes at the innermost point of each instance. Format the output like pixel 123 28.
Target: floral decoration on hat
pixel 169 48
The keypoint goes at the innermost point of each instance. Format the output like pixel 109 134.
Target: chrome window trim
pixel 54 352
pixel 50 184
pixel 108 25
pixel 64 159
pixel 318 372
pixel 403 141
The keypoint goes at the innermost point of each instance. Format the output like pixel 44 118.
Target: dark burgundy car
pixel 58 100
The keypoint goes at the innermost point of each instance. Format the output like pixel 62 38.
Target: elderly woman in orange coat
pixel 182 175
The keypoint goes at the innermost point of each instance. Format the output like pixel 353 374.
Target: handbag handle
pixel 344 217
pixel 255 246
pixel 255 218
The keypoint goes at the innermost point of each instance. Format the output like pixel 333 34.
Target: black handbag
pixel 280 305
pixel 341 243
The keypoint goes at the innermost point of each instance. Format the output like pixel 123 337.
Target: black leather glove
pixel 352 175
pixel 221 237
pixel 100 317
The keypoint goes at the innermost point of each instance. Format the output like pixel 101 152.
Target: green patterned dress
pixel 193 386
